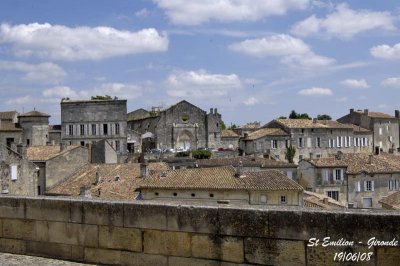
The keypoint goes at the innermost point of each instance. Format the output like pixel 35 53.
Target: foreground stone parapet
pixel 158 233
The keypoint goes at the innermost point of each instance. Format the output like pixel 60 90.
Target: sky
pixel 254 60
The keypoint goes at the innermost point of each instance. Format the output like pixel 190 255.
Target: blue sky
pixel 254 60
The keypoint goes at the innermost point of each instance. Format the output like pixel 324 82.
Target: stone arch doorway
pixel 185 140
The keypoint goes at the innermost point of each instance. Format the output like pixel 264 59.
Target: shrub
pixel 201 154
pixel 182 154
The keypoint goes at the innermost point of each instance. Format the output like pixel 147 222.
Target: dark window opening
pixel 39 192
pixel 175 194
pixel 193 195
pixel 105 129
pixel 82 143
pixel 28 142
pixel 9 141
pixel 156 193
pixel 211 195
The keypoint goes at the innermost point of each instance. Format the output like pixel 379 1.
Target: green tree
pixel 282 117
pixel 304 116
pixel 324 117
pixel 233 126
pixel 223 126
pixel 294 115
pixel 290 152
pixel 101 97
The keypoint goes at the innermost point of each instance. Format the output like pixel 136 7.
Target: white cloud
pixel 315 91
pixel 385 51
pixel 292 51
pixel 19 100
pixel 345 23
pixel 142 13
pixel 251 101
pixel 43 72
pixel 200 84
pixel 61 92
pixel 59 42
pixel 391 82
pixel 197 12
pixel 354 83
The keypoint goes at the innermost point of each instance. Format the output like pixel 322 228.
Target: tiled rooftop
pixel 8 115
pixel 9 126
pixel 34 113
pixel 228 133
pixel 220 178
pixel 246 161
pixel 392 200
pixel 108 187
pixel 306 123
pixel 44 153
pixel 266 132
pixel 375 114
pixel 316 200
pixel 360 162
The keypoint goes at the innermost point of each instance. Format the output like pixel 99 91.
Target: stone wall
pixel 165 234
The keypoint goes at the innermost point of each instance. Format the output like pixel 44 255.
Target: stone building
pixel 55 163
pixel 229 139
pixel 222 183
pixel 384 128
pixel 247 128
pixel 357 180
pixel 18 176
pixel 10 132
pixel 391 202
pixel 181 126
pixel 319 138
pixel 85 122
pixel 35 128
pixel 54 134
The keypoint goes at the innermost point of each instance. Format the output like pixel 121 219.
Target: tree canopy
pixel 101 97
pixel 324 117
pixel 294 115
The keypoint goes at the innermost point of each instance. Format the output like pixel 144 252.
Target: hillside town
pixel 183 153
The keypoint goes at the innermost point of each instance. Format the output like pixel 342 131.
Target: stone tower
pixel 35 128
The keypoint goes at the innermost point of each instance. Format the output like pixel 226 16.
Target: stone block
pixel 1 227
pixel 216 247
pixel 146 216
pixel 243 222
pixel 193 219
pixel 68 233
pixel 274 252
pixel 120 238
pixel 325 255
pixel 357 226
pixel 141 259
pixel 19 229
pixel 179 261
pixel 76 211
pixel 12 246
pixel 167 243
pixel 77 253
pixel 12 207
pixel 388 255
pixel 102 213
pixel 297 225
pixel 103 256
pixel 56 251
pixel 48 209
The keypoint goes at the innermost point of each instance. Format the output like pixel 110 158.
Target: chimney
pixel 366 111
pixel 339 155
pixel 211 110
pixel 325 200
pixel 239 170
pixel 314 120
pixel 397 113
pixel 215 111
pixel 351 110
pixel 144 170
pixel 98 178
pixel 370 157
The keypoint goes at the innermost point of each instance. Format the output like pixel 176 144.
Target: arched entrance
pixel 185 140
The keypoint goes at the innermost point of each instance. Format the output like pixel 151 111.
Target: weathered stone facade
pixel 18 176
pixel 183 125
pixel 35 128
pixel 385 128
pixel 84 122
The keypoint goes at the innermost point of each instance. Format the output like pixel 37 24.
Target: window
pixel 300 143
pixel 215 135
pixel 287 143
pixel 274 144
pixel 339 142
pixel 330 143
pixel 263 199
pixel 318 142
pixel 175 194
pixel 283 200
pixel 387 128
pixel 9 141
pixel 396 184
pixel 116 129
pixel 193 194
pixel 358 186
pixel 367 202
pixel 325 176
pixel 14 172
pixel 308 142
pixel 333 194
pixel 156 193
pixel 356 142
pixel 302 130
pixel 390 185
pixel 380 131
pixel 390 138
pixel 82 129
pixel 71 130
pixel 211 195
pixel 117 145
pixel 105 129
pixel 368 185
pixel 82 143
pixel 348 141
pixel 338 174
pixel 28 142
pixel 300 157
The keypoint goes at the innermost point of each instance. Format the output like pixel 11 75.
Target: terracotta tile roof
pixel 138 114
pixel 228 133
pixel 34 113
pixel 316 200
pixel 219 178
pixel 8 115
pixel 108 187
pixel 9 126
pixel 44 153
pixel 376 114
pixel 266 132
pixel 246 161
pixel 359 162
pixel 306 123
pixel 358 129
pixel 393 200
pixel 250 126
